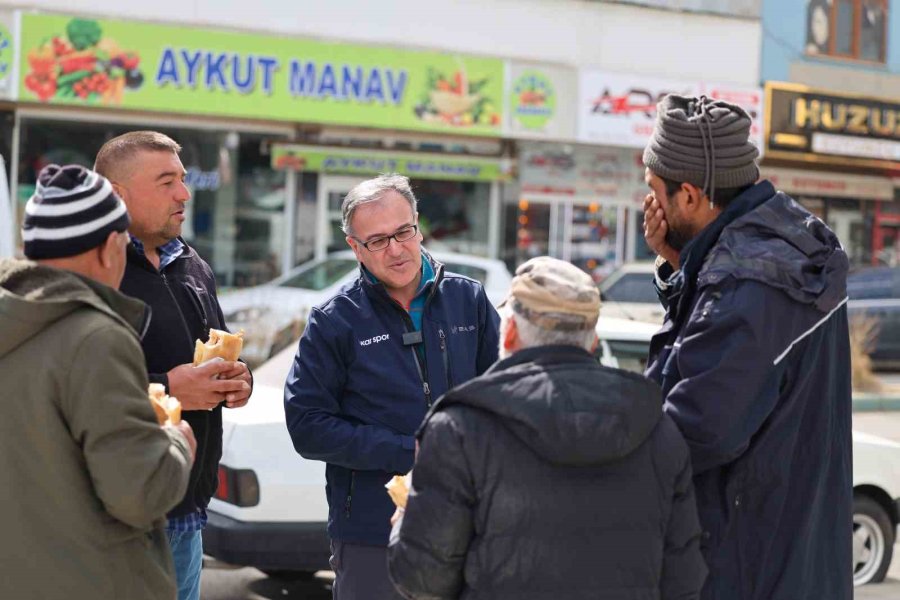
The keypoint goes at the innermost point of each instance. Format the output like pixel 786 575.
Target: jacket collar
pixel 138 259
pixel 376 289
pixel 543 355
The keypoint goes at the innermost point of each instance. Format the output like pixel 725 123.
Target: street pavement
pixel 224 582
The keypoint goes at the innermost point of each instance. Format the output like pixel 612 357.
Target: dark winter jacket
pixel 184 304
pixel 550 477
pixel 358 390
pixel 754 363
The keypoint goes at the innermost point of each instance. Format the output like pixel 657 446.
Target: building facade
pixel 520 122
pixel 832 73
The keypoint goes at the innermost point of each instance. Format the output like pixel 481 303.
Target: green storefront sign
pixel 141 66
pixel 349 162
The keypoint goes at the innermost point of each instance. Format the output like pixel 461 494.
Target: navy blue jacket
pixel 754 363
pixel 357 394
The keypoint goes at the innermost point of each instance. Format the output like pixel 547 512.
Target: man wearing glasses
pixel 370 364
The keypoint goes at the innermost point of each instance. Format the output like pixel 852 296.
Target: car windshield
pixel 634 287
pixel 475 273
pixel 321 275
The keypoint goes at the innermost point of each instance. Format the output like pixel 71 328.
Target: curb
pixel 875 403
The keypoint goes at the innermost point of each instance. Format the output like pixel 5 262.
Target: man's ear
pixel 511 335
pixel 355 246
pixel 694 197
pixel 120 191
pixel 108 250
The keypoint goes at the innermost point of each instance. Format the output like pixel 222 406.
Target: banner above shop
pixel 8 49
pixel 538 99
pixel 619 110
pixel 143 66
pixel 588 172
pixel 360 162
pixel 824 184
pixel 805 124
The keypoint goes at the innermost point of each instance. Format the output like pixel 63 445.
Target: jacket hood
pixel 564 406
pixel 781 244
pixel 33 297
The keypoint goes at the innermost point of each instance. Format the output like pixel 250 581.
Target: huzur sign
pixel 818 126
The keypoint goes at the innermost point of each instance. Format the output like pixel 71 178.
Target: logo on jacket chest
pixel 375 340
pixel 461 328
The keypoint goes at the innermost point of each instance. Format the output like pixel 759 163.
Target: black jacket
pixel 184 307
pixel 550 477
pixel 754 362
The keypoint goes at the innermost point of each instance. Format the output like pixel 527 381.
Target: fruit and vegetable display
pixel 82 65
pixel 455 100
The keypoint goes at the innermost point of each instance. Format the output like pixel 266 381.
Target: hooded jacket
pixel 549 476
pixel 88 474
pixel 754 363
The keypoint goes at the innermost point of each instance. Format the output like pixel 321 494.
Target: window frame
pixel 856 34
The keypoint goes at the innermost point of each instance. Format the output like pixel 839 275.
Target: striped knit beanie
pixel 73 209
pixel 704 142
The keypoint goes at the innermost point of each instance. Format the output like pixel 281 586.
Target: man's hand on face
pixel 202 388
pixel 240 372
pixel 655 230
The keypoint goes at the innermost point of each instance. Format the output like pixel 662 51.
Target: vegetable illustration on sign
pixel 82 65
pixel 455 100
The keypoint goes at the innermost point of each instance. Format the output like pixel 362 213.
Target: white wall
pixel 573 32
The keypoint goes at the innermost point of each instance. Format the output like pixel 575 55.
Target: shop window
pixel 855 29
pixel 454 215
pixel 235 216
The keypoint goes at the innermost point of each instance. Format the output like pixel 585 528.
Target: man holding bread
pixel 371 362
pixel 88 473
pixel 178 285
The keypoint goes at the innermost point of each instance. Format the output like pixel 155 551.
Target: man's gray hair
pixel 371 190
pixel 533 336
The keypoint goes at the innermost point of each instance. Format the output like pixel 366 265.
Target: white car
pixel 628 293
pixel 274 314
pixel 270 510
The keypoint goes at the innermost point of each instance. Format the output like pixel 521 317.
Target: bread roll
pixel 221 344
pixel 398 489
pixel 167 408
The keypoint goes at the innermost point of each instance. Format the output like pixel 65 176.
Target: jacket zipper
pixel 177 306
pixel 349 499
pixel 421 363
pixel 198 305
pixel 445 355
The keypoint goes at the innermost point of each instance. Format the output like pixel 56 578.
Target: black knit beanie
pixel 704 142
pixel 72 210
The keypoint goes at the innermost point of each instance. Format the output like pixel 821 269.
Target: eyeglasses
pixel 401 235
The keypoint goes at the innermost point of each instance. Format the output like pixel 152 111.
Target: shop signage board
pixel 358 162
pixel 588 172
pixel 8 50
pixel 825 184
pixel 539 98
pixel 616 109
pixel 810 125
pixel 140 66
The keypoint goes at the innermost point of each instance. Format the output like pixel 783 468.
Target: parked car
pixel 274 314
pixel 875 294
pixel 628 293
pixel 270 511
